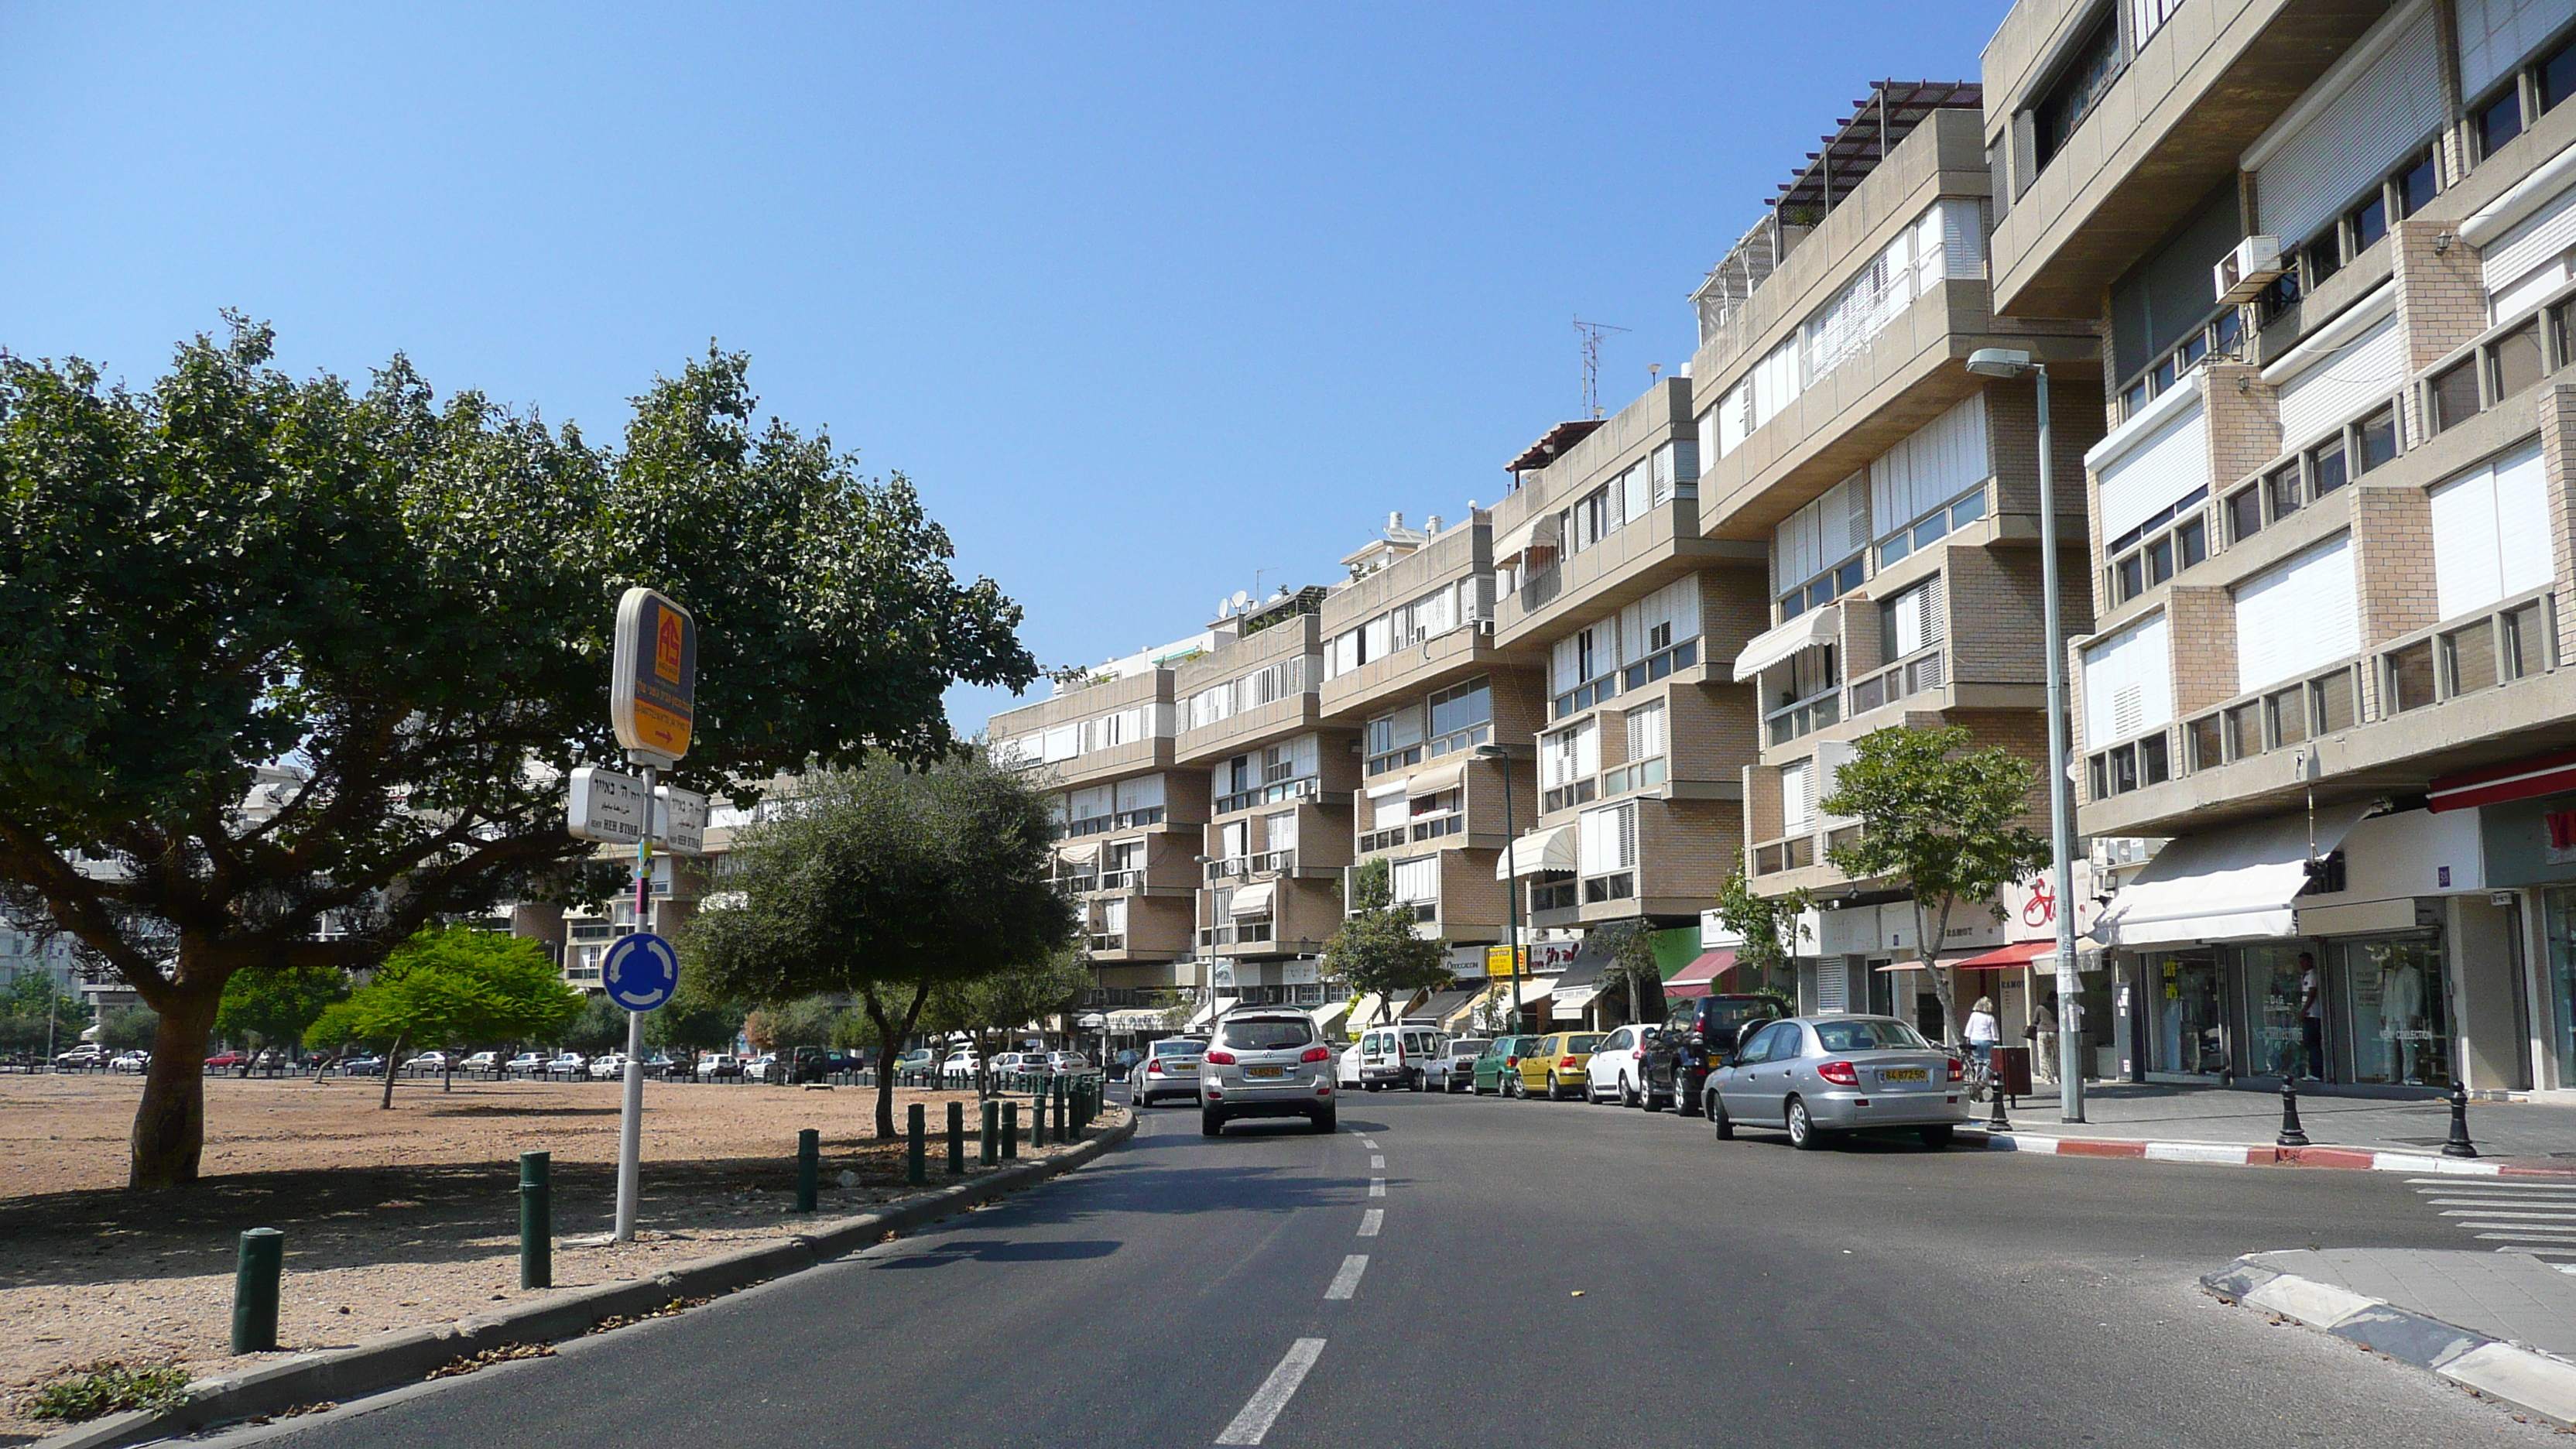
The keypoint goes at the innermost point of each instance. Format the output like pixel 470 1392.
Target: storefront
pixel 2527 821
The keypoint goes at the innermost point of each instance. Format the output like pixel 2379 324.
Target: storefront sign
pixel 1300 973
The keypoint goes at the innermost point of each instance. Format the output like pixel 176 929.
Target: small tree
pixel 276 1008
pixel 1768 927
pixel 128 1028
pixel 1632 972
pixel 451 986
pixel 991 1007
pixel 1376 949
pixel 1943 819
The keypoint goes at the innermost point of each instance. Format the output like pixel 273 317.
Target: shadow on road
pixel 999 1250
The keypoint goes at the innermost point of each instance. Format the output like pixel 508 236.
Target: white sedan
pixel 608 1066
pixel 960 1065
pixel 1617 1071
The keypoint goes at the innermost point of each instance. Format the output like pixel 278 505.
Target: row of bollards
pixel 261 1261
pixel 2294 1135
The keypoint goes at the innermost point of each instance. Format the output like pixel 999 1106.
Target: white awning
pixel 2228 885
pixel 1380 792
pixel 1251 900
pixel 1206 1012
pixel 1329 1016
pixel 1537 534
pixel 1816 626
pixel 1135 1021
pixel 1569 1000
pixel 1079 854
pixel 1540 850
pixel 1436 779
pixel 1365 1011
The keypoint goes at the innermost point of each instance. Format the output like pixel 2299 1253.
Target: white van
pixel 1397 1056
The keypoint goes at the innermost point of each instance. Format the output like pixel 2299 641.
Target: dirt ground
pixel 392 1219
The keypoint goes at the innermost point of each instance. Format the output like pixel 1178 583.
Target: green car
pixel 1497 1070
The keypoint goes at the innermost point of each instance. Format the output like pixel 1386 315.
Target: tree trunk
pixel 890 1048
pixel 393 1064
pixel 170 1122
pixel 1951 1025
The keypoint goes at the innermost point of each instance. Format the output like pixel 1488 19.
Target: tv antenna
pixel 1592 333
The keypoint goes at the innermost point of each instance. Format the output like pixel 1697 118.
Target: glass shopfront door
pixel 2182 1016
pixel 2275 993
pixel 2558 910
pixel 2396 999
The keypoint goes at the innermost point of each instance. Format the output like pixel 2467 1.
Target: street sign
pixel 641 971
pixel 652 690
pixel 605 805
pixel 681 822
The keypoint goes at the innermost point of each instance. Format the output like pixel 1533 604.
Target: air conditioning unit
pixel 2242 274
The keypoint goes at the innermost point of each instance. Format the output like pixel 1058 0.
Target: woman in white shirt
pixel 1981 1031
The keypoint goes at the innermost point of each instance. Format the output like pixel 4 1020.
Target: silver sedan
pixel 1817 1075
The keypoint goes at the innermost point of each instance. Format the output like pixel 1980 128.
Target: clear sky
pixel 1153 302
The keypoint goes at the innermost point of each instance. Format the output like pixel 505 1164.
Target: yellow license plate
pixel 1264 1072
pixel 1905 1074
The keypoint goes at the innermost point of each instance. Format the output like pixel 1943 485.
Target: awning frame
pixel 1546 845
pixel 1821 625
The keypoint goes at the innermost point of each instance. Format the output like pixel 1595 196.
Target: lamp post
pixel 1512 874
pixel 2008 362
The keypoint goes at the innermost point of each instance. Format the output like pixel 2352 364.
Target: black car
pixel 1700 1037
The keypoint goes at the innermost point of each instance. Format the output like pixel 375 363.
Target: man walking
pixel 2043 1030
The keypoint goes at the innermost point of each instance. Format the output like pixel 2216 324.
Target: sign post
pixel 652 699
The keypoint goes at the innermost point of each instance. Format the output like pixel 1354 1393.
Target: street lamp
pixel 2010 362
pixel 1512 873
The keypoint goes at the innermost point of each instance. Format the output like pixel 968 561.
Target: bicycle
pixel 1977 1072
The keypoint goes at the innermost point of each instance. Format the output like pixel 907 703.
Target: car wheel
pixel 1716 1110
pixel 1802 1127
pixel 1937 1137
pixel 1414 1084
pixel 1555 1092
pixel 1683 1106
pixel 1328 1120
pixel 1627 1093
pixel 1211 1122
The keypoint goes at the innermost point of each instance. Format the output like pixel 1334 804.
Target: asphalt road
pixel 1540 1274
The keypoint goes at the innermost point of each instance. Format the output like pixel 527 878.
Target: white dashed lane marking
pixel 1378 1162
pixel 1371 1221
pixel 1347 1282
pixel 1262 1409
pixel 1377 1187
pixel 1369 1142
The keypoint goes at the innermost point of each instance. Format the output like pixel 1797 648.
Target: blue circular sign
pixel 641 971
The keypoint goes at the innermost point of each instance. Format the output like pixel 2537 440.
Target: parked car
pixel 369 1065
pixel 1617 1071
pixel 759 1068
pixel 1013 1063
pixel 570 1064
pixel 663 1064
pixel 959 1066
pixel 1266 1062
pixel 135 1061
pixel 719 1064
pixel 919 1059
pixel 1171 1069
pixel 481 1062
pixel 1556 1066
pixel 528 1063
pixel 1394 1056
pixel 1067 1062
pixel 1346 1066
pixel 427 1064
pixel 1498 1066
pixel 608 1066
pixel 1813 1076
pixel 1698 1040
pixel 224 1061
pixel 1453 1068
pixel 85 1057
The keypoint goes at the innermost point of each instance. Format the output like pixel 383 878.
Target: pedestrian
pixel 2043 1031
pixel 2312 1017
pixel 1981 1033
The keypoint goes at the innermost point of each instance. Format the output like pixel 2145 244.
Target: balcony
pixel 1917 674
pixel 1245 867
pixel 1817 711
pixel 1616 886
pixel 1387 839
pixel 1124 820
pixel 1559 895
pixel 1607 687
pixel 1794 852
pixel 1122 880
pixel 1279 793
pixel 1241 933
pixel 2275 717
pixel 1640 775
pixel 1567 796
pixel 1109 941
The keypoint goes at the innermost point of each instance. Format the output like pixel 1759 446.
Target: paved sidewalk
pixel 2525 1133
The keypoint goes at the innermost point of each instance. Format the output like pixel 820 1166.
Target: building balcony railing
pixel 1387 839
pixel 1434 827
pixel 1243 867
pixel 1567 796
pixel 1122 820
pixel 1122 880
pixel 1805 717
pixel 1794 852
pixel 1241 933
pixel 1637 775
pixel 1308 788
pixel 1109 941
pixel 1909 676
pixel 1555 895
pixel 1078 884
pixel 1231 867
pixel 1617 886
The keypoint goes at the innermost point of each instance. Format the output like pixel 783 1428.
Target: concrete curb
pixel 408 1355
pixel 2241 1154
pixel 2535 1383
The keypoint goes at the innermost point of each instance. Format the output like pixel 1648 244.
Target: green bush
pixel 108 1388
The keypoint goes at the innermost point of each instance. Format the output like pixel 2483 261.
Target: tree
pixel 276 1008
pixel 1632 974
pixel 598 1025
pixel 1944 820
pixel 1376 949
pixel 694 1021
pixel 409 601
pixel 131 1028
pixel 35 1013
pixel 885 882
pixel 454 987
pixel 993 1006
pixel 1767 926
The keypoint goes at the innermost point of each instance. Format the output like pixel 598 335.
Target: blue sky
pixel 1144 298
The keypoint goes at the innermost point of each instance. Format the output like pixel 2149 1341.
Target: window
pixel 2378 434
pixel 1417 884
pixel 1816 552
pixel 2454 394
pixel 2490 533
pixel 2080 86
pixel 1394 741
pixel 2155 559
pixel 2245 511
pixel 1568 760
pixel 2499 120
pixel 1279 831
pixel 2524 649
pixel 1648 731
pixel 1461 716
pixel 1912 620
pixel 2326 468
pixel 2410 676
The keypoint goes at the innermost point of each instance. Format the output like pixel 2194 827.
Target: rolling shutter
pixel 2529 261
pixel 1416 880
pixel 1798 798
pixel 2149 477
pixel 2336 152
pixel 2297 617
pixel 2348 382
pixel 1609 839
pixel 2490 533
pixel 2128 683
pixel 1941 460
pixel 2496 34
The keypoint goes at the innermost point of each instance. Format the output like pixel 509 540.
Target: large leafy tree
pixel 1946 821
pixel 1632 975
pixel 452 988
pixel 886 882
pixel 1768 927
pixel 402 606
pixel 1376 950
pixel 276 1008
pixel 36 1014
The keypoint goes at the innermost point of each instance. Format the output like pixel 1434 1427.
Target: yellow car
pixel 1556 1064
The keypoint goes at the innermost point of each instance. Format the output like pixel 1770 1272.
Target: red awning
pixel 1706 967
pixel 2496 784
pixel 1685 990
pixel 2020 953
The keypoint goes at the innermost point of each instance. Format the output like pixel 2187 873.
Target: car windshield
pixel 1582 1043
pixel 1730 1013
pixel 1178 1048
pixel 1267 1036
pixel 1873 1034
pixel 1465 1048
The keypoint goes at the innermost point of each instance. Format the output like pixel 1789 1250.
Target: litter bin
pixel 2012 1070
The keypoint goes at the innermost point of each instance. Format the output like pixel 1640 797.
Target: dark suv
pixel 1696 1041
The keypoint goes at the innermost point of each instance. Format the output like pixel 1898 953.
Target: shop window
pixel 2394 997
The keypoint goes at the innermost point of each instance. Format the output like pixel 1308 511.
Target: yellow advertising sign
pixel 653 707
pixel 1498 962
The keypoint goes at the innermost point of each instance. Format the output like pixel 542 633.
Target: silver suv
pixel 1266 1064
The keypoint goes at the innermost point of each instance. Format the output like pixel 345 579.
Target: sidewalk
pixel 2519 1134
pixel 2503 1324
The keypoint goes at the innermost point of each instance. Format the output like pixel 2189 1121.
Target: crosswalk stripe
pixel 2494 1184
pixel 2483 1212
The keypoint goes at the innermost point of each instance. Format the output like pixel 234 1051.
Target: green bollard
pixel 1037 1119
pixel 988 1146
pixel 915 1171
pixel 536 1220
pixel 1010 1130
pixel 263 1256
pixel 956 1138
pixel 809 1168
pixel 1058 1125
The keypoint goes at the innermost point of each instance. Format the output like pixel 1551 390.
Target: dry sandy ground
pixel 392 1219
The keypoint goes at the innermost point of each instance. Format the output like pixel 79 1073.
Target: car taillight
pixel 1316 1054
pixel 1958 1070
pixel 1222 1059
pixel 1565 1065
pixel 1511 1061
pixel 1154 1068
pixel 1839 1073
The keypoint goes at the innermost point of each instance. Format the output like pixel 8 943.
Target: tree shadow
pixel 998 1250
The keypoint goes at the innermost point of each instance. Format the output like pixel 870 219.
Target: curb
pixel 2535 1383
pixel 408 1355
pixel 2237 1154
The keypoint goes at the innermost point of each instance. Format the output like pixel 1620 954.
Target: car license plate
pixel 1263 1073
pixel 1905 1074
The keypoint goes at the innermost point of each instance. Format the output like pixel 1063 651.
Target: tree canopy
pixel 410 601
pixel 36 1013
pixel 1946 821
pixel 450 988
pixel 1767 925
pixel 1376 949
pixel 992 1006
pixel 276 1008
pixel 885 882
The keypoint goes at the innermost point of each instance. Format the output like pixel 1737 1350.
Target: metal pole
pixel 2061 814
pixel 630 1122
pixel 1512 868
pixel 536 1220
pixel 809 1168
pixel 255 1274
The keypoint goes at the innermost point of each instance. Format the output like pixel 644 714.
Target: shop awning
pixel 1329 1015
pixel 2019 953
pixel 1699 978
pixel 1570 1000
pixel 1205 1014
pixel 1551 849
pixel 1446 1004
pixel 1251 900
pixel 1436 779
pixel 2228 885
pixel 1131 1022
pixel 1586 966
pixel 1366 1010
pixel 2497 784
pixel 1816 626
pixel 1538 535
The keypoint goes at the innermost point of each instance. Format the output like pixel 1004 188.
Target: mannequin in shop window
pixel 2401 1015
pixel 2312 1016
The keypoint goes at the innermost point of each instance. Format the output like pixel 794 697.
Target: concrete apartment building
pixel 1883 503
pixel 2327 246
pixel 1131 819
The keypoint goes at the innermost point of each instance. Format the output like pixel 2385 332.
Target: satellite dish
pixel 1242 601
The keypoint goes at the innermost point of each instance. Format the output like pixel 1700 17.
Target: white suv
pixel 1266 1064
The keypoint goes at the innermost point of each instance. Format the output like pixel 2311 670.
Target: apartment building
pixel 1278 797
pixel 2327 247
pixel 1131 818
pixel 1885 502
